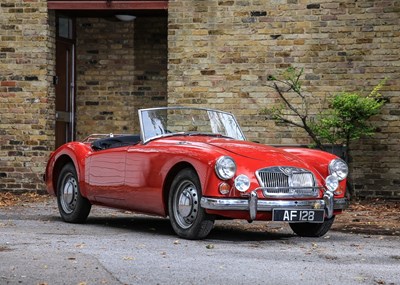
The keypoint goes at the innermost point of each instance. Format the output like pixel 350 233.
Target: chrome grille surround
pixel 287 182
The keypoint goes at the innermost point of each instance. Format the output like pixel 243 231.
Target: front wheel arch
pixel 170 178
pixel 58 166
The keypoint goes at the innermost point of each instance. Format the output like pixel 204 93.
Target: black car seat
pixel 116 141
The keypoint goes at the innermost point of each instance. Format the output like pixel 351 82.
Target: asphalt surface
pixel 116 247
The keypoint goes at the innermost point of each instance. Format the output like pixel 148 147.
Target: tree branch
pixel 291 107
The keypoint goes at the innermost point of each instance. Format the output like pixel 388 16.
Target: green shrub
pixel 346 118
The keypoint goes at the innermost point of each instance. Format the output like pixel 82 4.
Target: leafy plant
pixel 345 119
pixel 339 120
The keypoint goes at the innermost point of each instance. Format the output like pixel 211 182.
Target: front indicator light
pixel 332 183
pixel 242 183
pixel 224 188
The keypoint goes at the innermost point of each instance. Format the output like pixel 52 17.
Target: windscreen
pixel 160 122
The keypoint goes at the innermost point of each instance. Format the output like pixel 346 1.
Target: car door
pixel 105 176
pixel 144 180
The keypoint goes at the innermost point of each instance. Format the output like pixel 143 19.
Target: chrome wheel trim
pixel 186 204
pixel 69 194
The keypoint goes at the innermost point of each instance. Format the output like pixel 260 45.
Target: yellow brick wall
pixel 121 67
pixel 26 95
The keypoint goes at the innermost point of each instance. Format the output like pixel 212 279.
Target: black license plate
pixel 299 216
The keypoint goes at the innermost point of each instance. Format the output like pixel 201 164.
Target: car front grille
pixel 287 182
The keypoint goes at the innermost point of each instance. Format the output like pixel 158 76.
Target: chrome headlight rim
pixel 225 167
pixel 339 168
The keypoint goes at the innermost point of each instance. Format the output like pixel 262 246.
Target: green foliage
pixel 347 119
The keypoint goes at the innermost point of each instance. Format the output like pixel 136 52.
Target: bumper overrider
pixel 254 205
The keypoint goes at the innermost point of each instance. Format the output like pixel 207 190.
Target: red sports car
pixel 194 165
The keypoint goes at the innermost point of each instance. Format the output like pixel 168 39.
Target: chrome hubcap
pixel 69 194
pixel 186 204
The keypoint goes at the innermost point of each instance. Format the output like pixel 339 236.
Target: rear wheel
pixel 312 229
pixel 187 217
pixel 73 207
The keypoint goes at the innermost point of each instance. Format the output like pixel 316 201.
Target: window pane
pixel 65 27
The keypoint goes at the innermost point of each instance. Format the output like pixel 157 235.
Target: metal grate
pixel 273 179
pixel 287 182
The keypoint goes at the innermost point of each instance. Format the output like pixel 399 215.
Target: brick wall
pixel 121 67
pixel 26 96
pixel 221 52
pixel 151 55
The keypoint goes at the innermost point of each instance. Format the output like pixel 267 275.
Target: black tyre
pixel 187 218
pixel 72 206
pixel 312 229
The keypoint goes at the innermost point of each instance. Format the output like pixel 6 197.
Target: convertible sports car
pixel 194 165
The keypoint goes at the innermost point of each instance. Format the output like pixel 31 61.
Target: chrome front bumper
pixel 254 205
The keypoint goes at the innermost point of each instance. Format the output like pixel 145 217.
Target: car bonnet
pixel 272 156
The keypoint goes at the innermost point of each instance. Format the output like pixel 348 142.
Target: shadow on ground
pixel 369 217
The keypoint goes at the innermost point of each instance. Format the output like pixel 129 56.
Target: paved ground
pixel 116 247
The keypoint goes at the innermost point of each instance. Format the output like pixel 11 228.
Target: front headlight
pixel 332 183
pixel 225 167
pixel 242 183
pixel 338 168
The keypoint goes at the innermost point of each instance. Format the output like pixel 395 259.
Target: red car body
pixel 139 176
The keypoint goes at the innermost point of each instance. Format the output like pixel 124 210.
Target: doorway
pixel 64 81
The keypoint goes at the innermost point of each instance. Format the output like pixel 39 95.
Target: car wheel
pixel 188 218
pixel 312 229
pixel 73 207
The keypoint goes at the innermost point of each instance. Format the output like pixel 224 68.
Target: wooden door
pixel 65 82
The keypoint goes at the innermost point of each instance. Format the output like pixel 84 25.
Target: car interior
pixel 116 141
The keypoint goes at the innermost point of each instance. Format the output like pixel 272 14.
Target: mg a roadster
pixel 195 166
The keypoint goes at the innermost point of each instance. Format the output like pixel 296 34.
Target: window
pixel 65 27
